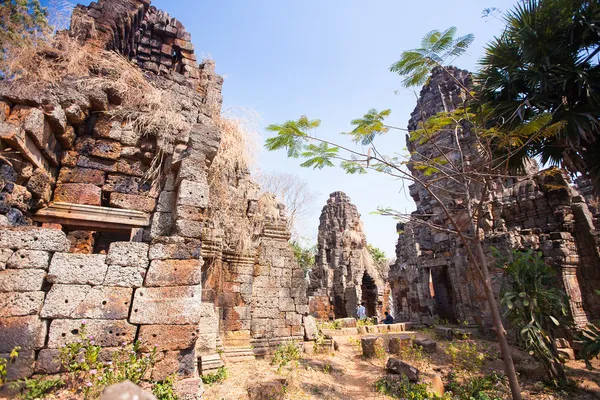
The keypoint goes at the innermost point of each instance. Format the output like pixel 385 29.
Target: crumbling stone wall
pixel 344 274
pixel 68 142
pixel 543 211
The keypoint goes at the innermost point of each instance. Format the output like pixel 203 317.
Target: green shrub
pixel 465 355
pixel 218 376
pixel 477 388
pixel 365 322
pixel 286 353
pixel 39 388
pixel 405 390
pixel 164 390
pixel 4 362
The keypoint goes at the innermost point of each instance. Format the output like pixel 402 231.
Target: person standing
pixel 361 312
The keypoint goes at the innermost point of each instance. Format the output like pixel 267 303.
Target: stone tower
pixel 344 274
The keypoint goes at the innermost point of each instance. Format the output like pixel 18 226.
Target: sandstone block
pixel 77 269
pixel 272 390
pixel 130 137
pixel 168 305
pixel 108 129
pixel 78 193
pixel 191 229
pixel 107 149
pixel 311 331
pixel 28 332
pixel 182 362
pixel 29 259
pixel 174 273
pixel 178 248
pixel 166 201
pixel 168 337
pixel 398 344
pixel 132 202
pixel 56 117
pixel 128 167
pixel 20 304
pixel 189 213
pixel 162 224
pixel 21 280
pixel 5 255
pixel 129 254
pixel 372 346
pixel 129 185
pixel 34 123
pixel 189 389
pixel 96 163
pixel 131 277
pixel 429 346
pixel 193 194
pixel 106 333
pixel 67 138
pixel 131 152
pixel 399 367
pixel 75 115
pixel 48 362
pixel 192 169
pixel 69 158
pixel 22 367
pixel 40 185
pixel 82 301
pixel 34 239
pixel 126 391
pixel 81 175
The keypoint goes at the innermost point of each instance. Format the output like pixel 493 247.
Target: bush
pixel 286 353
pixel 365 322
pixel 477 388
pixel 218 376
pixel 164 390
pixel 39 388
pixel 405 390
pixel 464 355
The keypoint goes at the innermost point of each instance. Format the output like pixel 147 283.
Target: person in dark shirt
pixel 388 318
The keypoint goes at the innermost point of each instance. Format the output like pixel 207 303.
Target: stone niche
pixel 542 210
pixel 344 274
pixel 85 234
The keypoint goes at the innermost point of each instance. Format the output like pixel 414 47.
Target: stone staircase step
pixel 210 363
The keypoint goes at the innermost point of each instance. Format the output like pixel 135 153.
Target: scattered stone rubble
pixel 344 274
pixel 543 211
pixel 87 237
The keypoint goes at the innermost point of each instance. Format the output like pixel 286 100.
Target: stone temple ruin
pixel 88 235
pixel 344 274
pixel 542 211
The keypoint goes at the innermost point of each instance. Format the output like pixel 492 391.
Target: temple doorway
pixel 441 291
pixel 369 295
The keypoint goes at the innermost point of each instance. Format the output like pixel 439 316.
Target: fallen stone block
pixel 311 331
pixel 31 259
pixel 126 391
pixel 77 269
pixel 399 367
pixel 189 389
pixel 129 254
pixel 34 239
pixel 399 344
pixel 27 332
pixel 174 273
pixel 106 333
pixel 372 346
pixel 21 280
pixel 168 305
pixel 272 390
pixel 15 304
pixel 82 301
pixel 428 345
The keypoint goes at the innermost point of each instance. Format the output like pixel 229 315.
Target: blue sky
pixel 328 60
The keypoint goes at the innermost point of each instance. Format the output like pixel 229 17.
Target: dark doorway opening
pixel 442 293
pixel 369 295
pixel 339 308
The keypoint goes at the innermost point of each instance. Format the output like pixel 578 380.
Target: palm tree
pixel 437 49
pixel 546 65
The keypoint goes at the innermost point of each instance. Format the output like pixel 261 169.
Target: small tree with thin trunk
pixel 459 173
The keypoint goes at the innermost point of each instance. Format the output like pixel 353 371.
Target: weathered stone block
pixel 34 123
pixel 20 304
pixel 129 254
pixel 77 269
pixel 372 346
pixel 192 194
pixel 189 213
pixel 78 193
pixel 82 301
pixel 130 137
pixel 162 224
pixel 27 332
pixel 131 277
pixel 5 255
pixel 189 389
pixel 34 239
pixel 168 305
pixel 29 259
pixel 174 273
pixel 399 367
pixel 126 391
pixel 75 115
pixel 182 362
pixel 106 333
pixel 40 185
pixel 192 169
pixel 128 167
pixel 21 280
pixel 56 117
pixel 191 229
pixel 167 337
pixel 132 202
pixel 175 248
pixel 81 175
pixel 108 149
pixel 166 201
pixel 22 367
pixel 398 344
pixel 48 362
pixel 108 129
pixel 97 163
